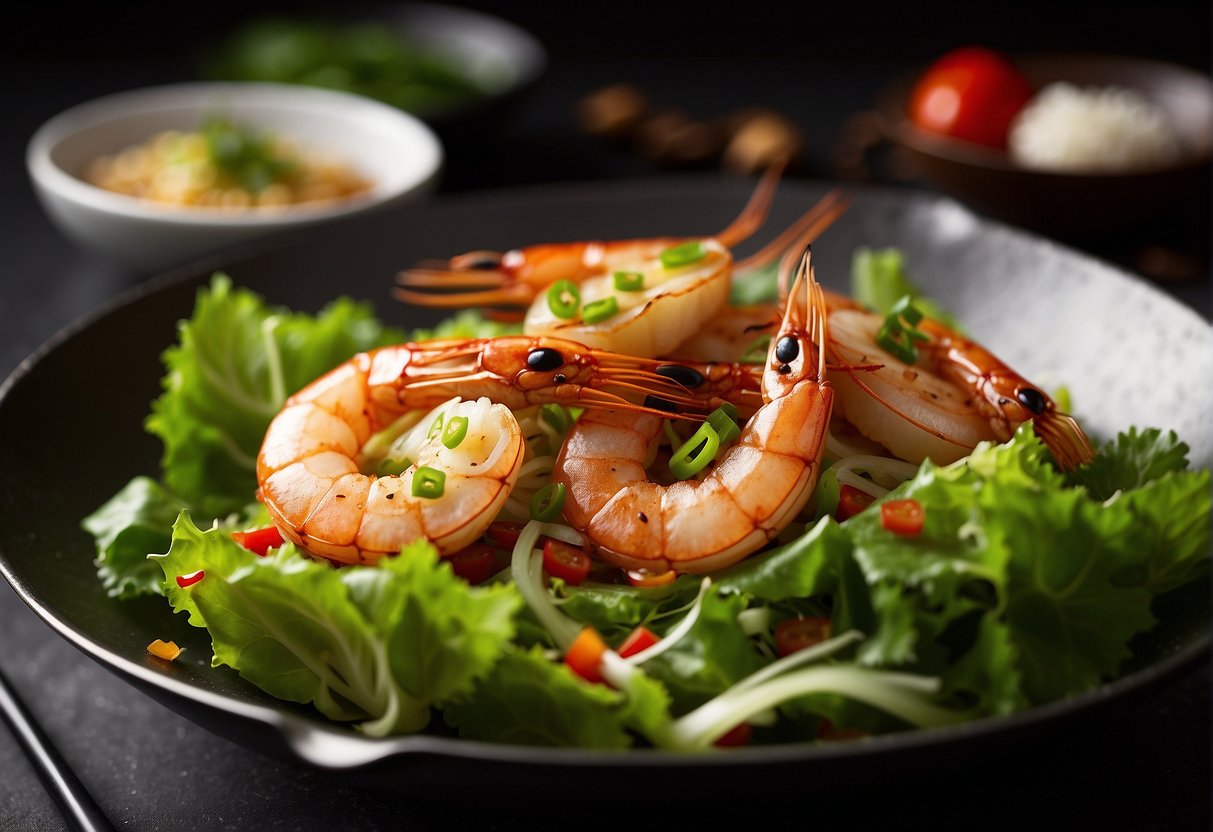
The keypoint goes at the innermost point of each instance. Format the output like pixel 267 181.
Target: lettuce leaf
pixel 879 280
pixel 1130 461
pixel 135 522
pixel 378 645
pixel 237 360
pixel 531 700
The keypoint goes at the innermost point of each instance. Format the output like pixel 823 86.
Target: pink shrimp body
pixel 746 498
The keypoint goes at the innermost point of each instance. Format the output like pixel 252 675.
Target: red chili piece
pixel 639 640
pixel 259 540
pixel 189 580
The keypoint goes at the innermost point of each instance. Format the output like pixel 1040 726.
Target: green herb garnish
pixel 244 155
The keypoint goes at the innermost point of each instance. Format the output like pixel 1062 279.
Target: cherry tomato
pixel 644 579
pixel 795 634
pixel 639 640
pixel 584 656
pixel 504 533
pixel 738 736
pixel 560 560
pixel 851 501
pixel 475 564
pixel 902 517
pixel 971 94
pixel 259 540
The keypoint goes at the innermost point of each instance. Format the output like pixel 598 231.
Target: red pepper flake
pixel 189 580
pixel 259 540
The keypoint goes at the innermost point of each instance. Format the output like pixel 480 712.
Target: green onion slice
pixel 600 310
pixel 899 333
pixel 429 483
pixel 683 255
pixel 564 299
pixel 435 429
pixel 629 281
pixel 548 502
pixel 456 431
pixel 721 422
pixel 389 467
pixel 695 453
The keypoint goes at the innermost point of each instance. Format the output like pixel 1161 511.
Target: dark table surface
pixel 1143 764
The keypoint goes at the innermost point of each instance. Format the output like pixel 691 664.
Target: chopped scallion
pixel 695 453
pixel 564 299
pixel 724 425
pixel 548 502
pixel 899 333
pixel 599 310
pixel 683 255
pixel 429 483
pixel 629 281
pixel 455 432
pixel 389 467
pixel 435 429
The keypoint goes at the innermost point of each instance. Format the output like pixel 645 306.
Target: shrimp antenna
pixel 755 212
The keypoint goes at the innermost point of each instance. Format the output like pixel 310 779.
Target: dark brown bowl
pixel 1069 204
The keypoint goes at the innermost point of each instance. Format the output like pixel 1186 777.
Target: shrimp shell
pixel 744 500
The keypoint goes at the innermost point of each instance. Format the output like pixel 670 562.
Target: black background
pixel 1145 766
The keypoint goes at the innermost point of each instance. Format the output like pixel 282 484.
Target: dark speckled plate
pixel 1129 354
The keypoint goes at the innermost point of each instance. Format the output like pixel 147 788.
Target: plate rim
pixel 331 746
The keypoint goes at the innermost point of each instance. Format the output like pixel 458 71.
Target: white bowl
pixel 391 149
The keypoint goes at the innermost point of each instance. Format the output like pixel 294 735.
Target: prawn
pixel 640 297
pixel 755 489
pixel 318 477
pixel 956 394
pixel 515 278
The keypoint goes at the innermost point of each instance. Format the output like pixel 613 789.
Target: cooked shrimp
pixel 669 304
pixel 517 277
pixel 319 498
pixel 640 297
pixel 320 483
pixel 955 395
pixel 752 492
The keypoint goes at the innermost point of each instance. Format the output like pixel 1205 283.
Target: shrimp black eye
pixel 688 377
pixel 544 360
pixel 1031 398
pixel 787 349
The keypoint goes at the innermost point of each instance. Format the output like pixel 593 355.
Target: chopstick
pixel 75 803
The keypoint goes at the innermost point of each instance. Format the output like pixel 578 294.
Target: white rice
pixel 1108 129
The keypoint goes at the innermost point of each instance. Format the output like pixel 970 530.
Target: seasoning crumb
pixel 644 518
